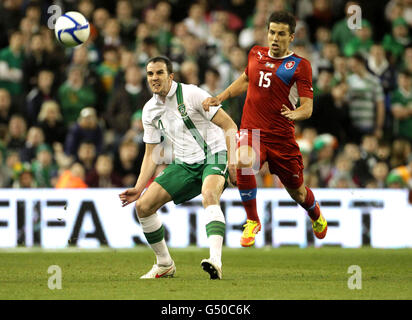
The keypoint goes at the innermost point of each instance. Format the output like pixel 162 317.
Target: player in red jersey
pixel 275 78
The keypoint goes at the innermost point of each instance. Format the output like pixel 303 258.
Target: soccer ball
pixel 72 29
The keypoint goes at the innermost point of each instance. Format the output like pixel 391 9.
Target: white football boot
pixel 160 272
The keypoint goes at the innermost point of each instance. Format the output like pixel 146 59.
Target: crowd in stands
pixel 71 117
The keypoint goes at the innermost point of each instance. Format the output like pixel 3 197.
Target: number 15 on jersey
pixel 264 80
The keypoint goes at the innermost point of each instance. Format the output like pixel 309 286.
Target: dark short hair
pixel 358 57
pixel 283 17
pixel 163 59
pixel 405 72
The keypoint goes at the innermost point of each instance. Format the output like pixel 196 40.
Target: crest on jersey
pixel 289 65
pixel 182 110
pixel 270 65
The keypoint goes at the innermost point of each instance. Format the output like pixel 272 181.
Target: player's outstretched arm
pixel 236 88
pixel 147 171
pixel 224 121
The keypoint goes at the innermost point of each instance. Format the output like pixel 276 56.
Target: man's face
pixel 158 78
pixel 279 38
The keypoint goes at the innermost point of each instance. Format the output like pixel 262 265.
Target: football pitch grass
pixel 248 274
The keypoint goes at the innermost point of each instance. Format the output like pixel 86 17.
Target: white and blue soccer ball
pixel 72 29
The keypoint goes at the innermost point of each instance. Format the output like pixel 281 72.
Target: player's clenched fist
pixel 211 101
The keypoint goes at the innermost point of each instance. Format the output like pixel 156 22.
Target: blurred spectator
pixel 232 71
pixel 127 60
pixel 196 21
pixel 189 72
pixel 36 59
pixel 176 43
pixel 397 40
pixel 125 101
pixel 362 170
pixel 401 106
pixel 159 22
pixel 401 150
pixel 72 178
pixel 5 107
pixel 86 155
pixel 86 8
pixel 230 20
pixel 400 177
pixel 24 177
pixel 11 65
pixel 323 35
pixel 13 165
pixel 100 18
pixel 340 67
pixel 384 151
pixel 34 138
pixel 103 176
pixel 321 16
pixel 331 112
pixel 247 36
pixel 127 162
pixel 406 61
pixel 379 66
pixel 74 95
pixel 51 121
pixel 146 50
pixel 39 94
pixel 111 34
pixel 127 22
pixel 323 84
pixel 324 151
pixel 6 175
pixel 43 167
pixel 17 132
pixel 108 69
pixel 365 99
pixel 341 176
pixel 80 59
pixel 380 172
pixel 135 133
pixel 194 51
pixel 86 128
pixel 326 59
pixel 212 82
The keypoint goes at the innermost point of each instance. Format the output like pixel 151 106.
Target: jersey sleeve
pixel 248 59
pixel 304 79
pixel 151 134
pixel 197 96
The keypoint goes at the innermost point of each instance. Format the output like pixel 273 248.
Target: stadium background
pixel 45 140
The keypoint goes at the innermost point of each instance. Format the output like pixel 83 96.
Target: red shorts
pixel 283 157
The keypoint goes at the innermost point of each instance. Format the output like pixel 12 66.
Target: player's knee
pixel 209 197
pixel 142 208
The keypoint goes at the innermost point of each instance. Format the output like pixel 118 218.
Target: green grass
pixel 284 273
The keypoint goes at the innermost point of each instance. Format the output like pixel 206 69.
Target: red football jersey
pixel 273 82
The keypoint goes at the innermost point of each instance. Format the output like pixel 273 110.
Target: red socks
pixel 246 184
pixel 310 205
